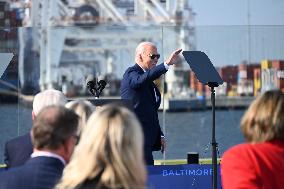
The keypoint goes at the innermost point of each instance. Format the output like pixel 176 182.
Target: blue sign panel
pixel 181 177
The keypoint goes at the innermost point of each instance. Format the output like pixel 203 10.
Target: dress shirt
pixel 48 154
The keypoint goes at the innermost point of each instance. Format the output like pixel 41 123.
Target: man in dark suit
pixel 138 86
pixel 18 150
pixel 54 136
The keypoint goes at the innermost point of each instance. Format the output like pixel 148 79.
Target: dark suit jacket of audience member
pixel 36 173
pixel 18 150
pixel 138 86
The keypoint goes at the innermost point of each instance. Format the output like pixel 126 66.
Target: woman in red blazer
pixel 258 164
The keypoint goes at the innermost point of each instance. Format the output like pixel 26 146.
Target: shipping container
pixel 196 86
pixel 278 65
pixel 257 82
pixel 229 74
pixel 272 77
pixel 265 64
pixel 246 79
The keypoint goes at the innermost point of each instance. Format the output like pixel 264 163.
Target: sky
pixel 235 12
pixel 222 30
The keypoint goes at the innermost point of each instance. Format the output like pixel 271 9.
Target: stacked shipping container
pixel 246 79
pixel 272 75
pixel 229 74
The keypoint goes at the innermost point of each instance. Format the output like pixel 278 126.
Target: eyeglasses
pixel 153 56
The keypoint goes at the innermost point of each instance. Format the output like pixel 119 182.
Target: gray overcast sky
pixel 234 12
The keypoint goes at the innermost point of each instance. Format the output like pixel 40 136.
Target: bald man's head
pixel 47 98
pixel 146 55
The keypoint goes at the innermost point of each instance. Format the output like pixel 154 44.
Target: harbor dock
pixel 221 102
pixel 176 104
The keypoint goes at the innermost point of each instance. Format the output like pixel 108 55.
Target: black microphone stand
pixel 98 92
pixel 97 95
pixel 94 91
pixel 213 142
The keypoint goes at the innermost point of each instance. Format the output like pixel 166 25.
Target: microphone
pixel 101 85
pixel 91 84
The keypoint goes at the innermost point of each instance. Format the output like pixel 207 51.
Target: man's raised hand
pixel 173 57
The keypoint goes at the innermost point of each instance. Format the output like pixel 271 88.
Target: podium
pixel 119 102
pixel 192 176
pixel 207 75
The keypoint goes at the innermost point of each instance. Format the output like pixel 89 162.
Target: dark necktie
pixel 154 92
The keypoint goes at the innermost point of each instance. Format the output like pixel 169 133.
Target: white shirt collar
pixel 48 154
pixel 141 68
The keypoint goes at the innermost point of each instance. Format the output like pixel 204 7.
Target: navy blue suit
pixel 138 86
pixel 37 173
pixel 18 150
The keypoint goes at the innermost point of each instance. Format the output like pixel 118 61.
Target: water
pixel 185 131
pixel 192 131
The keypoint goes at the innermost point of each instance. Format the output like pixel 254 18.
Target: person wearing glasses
pixel 138 86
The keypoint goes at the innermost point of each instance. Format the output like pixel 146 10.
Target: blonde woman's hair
pixel 110 151
pixel 83 109
pixel 264 119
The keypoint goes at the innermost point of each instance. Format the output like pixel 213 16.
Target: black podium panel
pixel 202 67
pixel 119 102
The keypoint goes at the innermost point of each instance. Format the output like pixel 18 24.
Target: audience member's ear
pixel 68 147
pixel 33 115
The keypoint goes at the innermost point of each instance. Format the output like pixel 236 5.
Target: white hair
pixel 141 48
pixel 48 98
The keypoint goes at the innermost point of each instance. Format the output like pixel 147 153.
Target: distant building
pixel 272 75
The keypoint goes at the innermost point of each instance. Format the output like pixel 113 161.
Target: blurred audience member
pixel 18 150
pixel 258 164
pixel 83 109
pixel 109 154
pixel 54 137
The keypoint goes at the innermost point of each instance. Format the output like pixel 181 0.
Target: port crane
pixel 100 36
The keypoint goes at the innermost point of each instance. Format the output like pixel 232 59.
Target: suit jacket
pixel 37 173
pixel 18 150
pixel 138 86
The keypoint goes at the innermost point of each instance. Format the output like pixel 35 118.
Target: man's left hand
pixel 163 144
pixel 173 57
